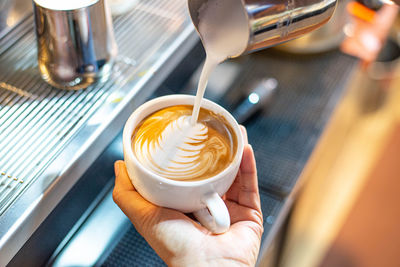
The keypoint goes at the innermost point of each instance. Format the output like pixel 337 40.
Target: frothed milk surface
pixel 169 145
pixel 224 31
pixel 65 4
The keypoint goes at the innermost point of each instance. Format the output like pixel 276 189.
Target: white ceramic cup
pixel 203 197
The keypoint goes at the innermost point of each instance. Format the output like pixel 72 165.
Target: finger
pixel 233 192
pixel 248 164
pixel 121 175
pixel 244 134
pixel 248 194
pixel 247 173
pixel 242 229
pixel 240 213
pixel 135 207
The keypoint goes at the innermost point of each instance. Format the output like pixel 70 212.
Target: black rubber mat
pixel 286 132
pixel 271 207
pixel 132 250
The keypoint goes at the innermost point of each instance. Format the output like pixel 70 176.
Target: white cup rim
pixel 128 130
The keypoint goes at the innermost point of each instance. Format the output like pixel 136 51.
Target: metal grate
pixel 37 120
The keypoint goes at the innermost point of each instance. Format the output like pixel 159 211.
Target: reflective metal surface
pixel 324 39
pixel 275 21
pixel 106 219
pixel 75 47
pixel 49 137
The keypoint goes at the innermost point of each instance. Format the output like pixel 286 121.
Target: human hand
pixel 181 241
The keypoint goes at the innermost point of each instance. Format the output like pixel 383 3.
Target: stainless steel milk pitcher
pixel 76 45
pixel 275 21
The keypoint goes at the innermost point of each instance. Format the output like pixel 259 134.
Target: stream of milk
pixel 224 31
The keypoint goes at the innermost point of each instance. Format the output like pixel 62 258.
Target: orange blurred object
pixel 367 31
pixel 360 11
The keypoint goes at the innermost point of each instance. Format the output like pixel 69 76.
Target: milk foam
pixel 65 4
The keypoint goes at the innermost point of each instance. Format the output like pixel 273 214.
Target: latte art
pixel 176 152
pixel 168 144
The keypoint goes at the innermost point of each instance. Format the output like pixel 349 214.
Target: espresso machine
pixel 58 146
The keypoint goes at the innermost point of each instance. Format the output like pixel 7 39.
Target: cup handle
pixel 216 216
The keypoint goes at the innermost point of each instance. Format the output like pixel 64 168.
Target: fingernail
pixel 116 168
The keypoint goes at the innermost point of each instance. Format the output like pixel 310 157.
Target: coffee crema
pixel 168 144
